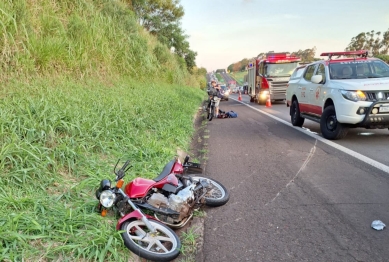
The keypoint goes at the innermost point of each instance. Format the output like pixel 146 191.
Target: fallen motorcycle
pixel 149 207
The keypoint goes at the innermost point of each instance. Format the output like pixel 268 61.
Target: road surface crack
pixel 309 157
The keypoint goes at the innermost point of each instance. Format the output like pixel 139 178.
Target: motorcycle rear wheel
pixel 164 246
pixel 218 196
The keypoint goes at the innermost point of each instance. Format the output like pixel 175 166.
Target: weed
pixel 188 240
pixel 203 151
pixel 199 213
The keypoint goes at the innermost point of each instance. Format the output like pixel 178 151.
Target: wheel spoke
pixel 139 238
pixel 151 244
pixel 159 244
pixel 140 230
pixel 162 238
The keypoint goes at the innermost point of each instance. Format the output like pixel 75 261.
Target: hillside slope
pixel 82 86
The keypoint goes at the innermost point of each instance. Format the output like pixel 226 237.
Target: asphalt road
pixel 293 197
pixel 226 77
pixel 373 143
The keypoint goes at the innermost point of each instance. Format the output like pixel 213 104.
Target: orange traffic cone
pixel 240 96
pixel 268 101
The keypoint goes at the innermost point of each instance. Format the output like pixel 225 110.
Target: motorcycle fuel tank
pixel 139 187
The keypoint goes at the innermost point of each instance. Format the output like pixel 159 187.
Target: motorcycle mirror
pixel 186 160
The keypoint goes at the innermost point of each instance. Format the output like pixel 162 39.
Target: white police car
pixel 340 93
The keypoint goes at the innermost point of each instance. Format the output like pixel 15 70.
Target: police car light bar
pixel 358 52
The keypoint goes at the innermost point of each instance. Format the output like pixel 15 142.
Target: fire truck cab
pixel 269 76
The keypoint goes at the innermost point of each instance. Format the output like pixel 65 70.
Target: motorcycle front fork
pixel 135 208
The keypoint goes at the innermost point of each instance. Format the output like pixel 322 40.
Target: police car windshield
pixel 358 69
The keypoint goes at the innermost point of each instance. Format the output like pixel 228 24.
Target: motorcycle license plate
pixel 384 109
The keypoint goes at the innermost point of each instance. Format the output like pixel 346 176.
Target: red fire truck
pixel 269 75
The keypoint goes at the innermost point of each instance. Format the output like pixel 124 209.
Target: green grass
pixel 82 86
pixel 83 39
pixel 188 240
pixel 239 76
pixel 58 140
pixel 220 78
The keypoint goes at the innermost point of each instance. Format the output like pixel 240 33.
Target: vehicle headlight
pixel 354 95
pixel 107 198
pixel 264 94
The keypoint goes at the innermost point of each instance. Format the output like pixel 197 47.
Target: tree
pixel 244 63
pixel 154 15
pixel 190 58
pixel 307 55
pixel 370 41
pixel 238 66
pixel 162 19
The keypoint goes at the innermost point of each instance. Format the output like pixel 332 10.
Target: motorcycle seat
pixel 166 171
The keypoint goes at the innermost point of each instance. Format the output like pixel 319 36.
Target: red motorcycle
pixel 149 207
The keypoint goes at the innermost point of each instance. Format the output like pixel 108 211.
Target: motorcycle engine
pixel 180 202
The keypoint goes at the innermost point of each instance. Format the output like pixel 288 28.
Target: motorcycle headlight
pixel 354 95
pixel 107 198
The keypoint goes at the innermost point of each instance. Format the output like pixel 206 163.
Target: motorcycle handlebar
pixel 122 171
pixel 125 165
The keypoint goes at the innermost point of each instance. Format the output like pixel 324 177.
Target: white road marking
pixel 350 152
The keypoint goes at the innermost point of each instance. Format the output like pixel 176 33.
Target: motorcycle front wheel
pixel 217 195
pixel 164 245
pixel 211 112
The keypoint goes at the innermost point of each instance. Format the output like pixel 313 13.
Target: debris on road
pixel 378 225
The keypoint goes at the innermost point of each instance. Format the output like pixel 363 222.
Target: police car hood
pixel 368 84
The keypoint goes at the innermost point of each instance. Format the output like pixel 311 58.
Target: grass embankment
pixel 82 85
pixel 220 78
pixel 239 77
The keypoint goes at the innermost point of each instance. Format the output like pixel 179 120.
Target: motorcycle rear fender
pixel 177 168
pixel 136 214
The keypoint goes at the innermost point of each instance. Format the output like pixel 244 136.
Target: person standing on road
pixel 215 88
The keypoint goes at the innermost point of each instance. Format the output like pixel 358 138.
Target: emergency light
pixel 363 53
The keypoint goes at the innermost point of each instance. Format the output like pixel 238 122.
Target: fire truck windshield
pixel 280 70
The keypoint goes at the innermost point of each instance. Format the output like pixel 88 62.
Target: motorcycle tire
pixel 218 198
pixel 211 112
pixel 137 239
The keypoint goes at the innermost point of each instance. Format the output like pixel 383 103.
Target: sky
pixel 223 32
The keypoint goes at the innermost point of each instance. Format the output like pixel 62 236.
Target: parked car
pixel 340 93
pixel 226 92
